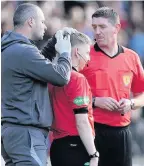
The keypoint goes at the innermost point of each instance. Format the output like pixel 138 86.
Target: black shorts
pixel 68 151
pixel 114 145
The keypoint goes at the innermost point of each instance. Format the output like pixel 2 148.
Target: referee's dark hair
pixel 24 12
pixel 108 13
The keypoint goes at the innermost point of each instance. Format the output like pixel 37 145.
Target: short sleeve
pixel 138 78
pixel 78 92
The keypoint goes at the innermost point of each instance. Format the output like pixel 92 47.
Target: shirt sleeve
pixel 34 65
pixel 48 50
pixel 138 78
pixel 78 93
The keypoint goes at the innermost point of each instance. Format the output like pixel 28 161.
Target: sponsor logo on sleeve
pixel 87 164
pixel 81 100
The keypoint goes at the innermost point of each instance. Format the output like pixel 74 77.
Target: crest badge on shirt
pixel 126 80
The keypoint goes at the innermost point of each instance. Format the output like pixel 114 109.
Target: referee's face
pixel 105 32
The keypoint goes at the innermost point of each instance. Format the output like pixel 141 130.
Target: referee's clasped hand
pixel 63 43
pixel 125 106
pixel 107 103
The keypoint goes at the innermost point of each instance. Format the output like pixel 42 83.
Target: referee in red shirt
pixel 113 73
pixel 73 125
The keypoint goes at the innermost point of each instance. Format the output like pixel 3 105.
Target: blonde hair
pixel 79 38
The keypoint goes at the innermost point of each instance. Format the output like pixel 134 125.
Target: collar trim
pixel 74 69
pixel 120 50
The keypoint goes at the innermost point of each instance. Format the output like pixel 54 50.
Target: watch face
pixel 97 154
pixel 132 104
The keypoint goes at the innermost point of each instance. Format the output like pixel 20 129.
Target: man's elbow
pixel 62 82
pixel 65 82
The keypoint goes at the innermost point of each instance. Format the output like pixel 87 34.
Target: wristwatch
pixel 93 102
pixel 96 154
pixel 132 104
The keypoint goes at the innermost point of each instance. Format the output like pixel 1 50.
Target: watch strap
pixel 132 104
pixel 96 154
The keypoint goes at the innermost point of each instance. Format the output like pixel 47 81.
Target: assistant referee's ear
pixel 76 52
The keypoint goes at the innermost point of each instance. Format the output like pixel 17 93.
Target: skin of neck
pixel 24 30
pixel 111 48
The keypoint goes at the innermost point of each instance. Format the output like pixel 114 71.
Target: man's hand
pixel 107 103
pixel 125 106
pixel 49 50
pixel 63 43
pixel 68 30
pixel 94 161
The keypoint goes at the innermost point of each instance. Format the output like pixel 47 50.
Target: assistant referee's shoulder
pixel 77 78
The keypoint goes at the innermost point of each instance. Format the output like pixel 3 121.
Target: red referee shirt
pixel 76 94
pixel 114 77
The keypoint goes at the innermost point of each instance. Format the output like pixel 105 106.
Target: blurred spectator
pixel 137 129
pixel 137 41
pixel 78 15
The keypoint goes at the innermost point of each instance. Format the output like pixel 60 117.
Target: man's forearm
pixel 86 135
pixel 138 100
pixel 49 50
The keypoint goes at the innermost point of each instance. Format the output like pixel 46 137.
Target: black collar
pixel 74 69
pixel 120 50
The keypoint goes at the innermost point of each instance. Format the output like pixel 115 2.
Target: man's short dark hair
pixel 23 12
pixel 108 13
